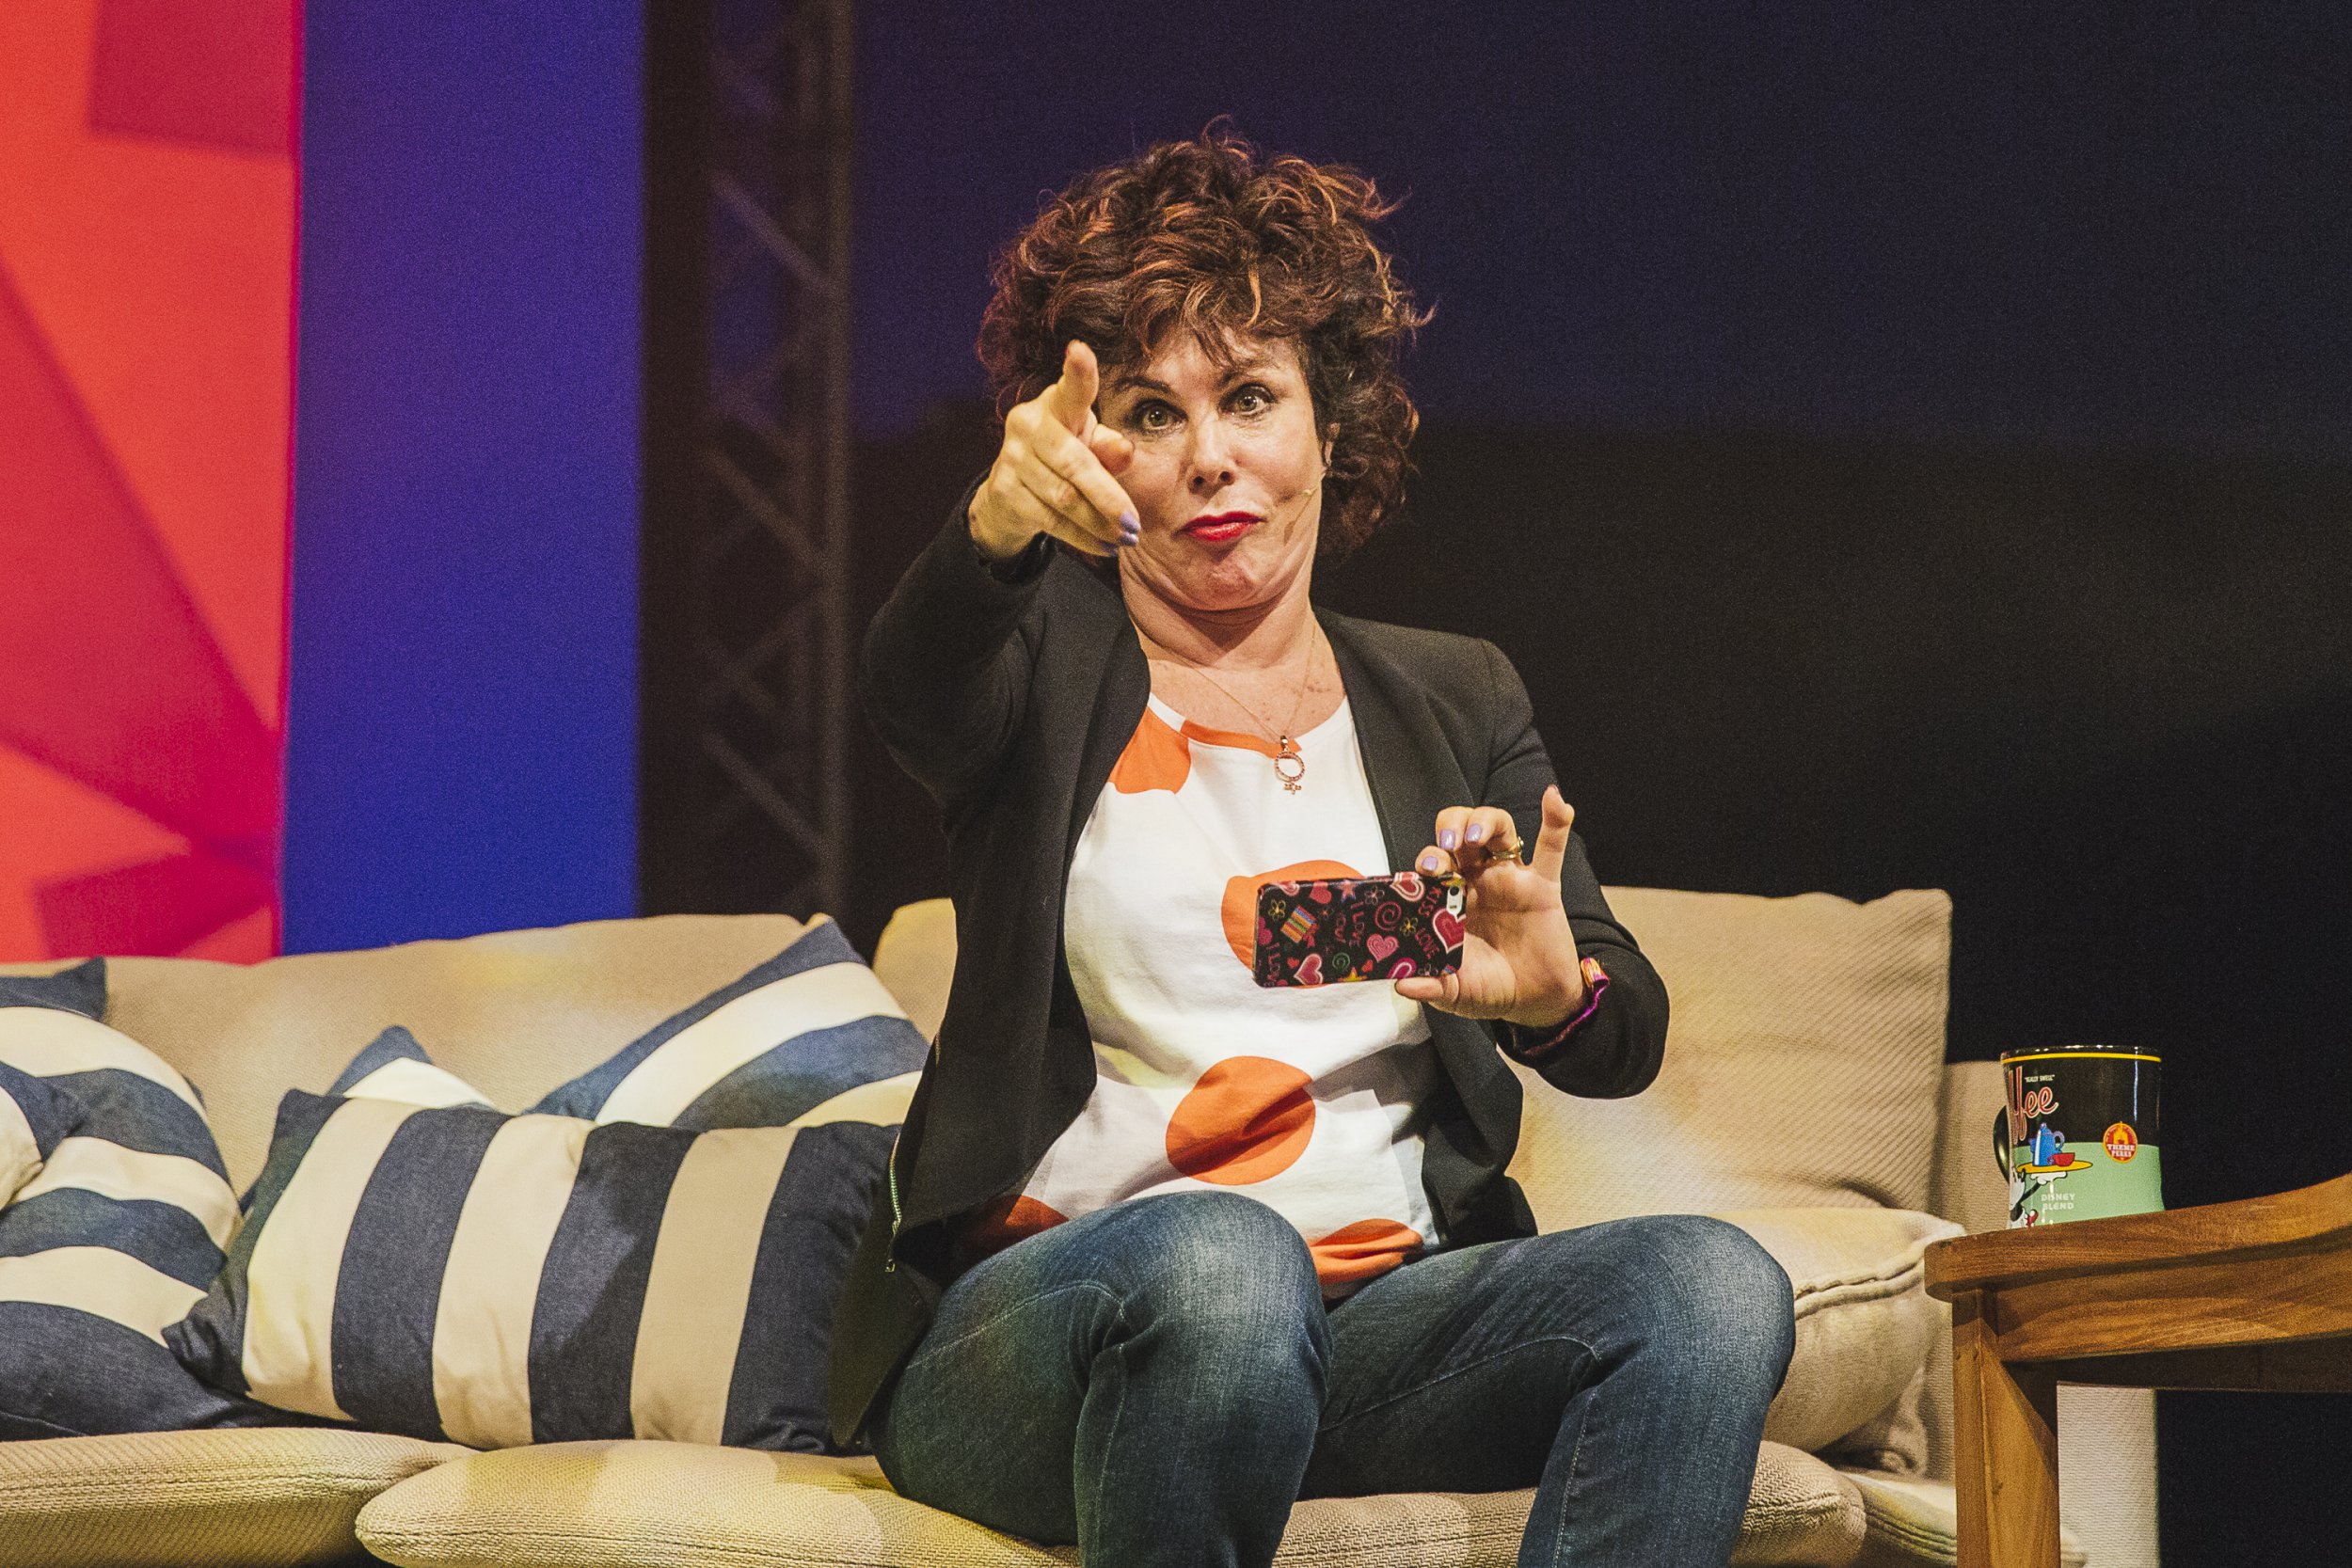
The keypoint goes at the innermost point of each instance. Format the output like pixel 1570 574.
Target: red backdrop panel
pixel 147 244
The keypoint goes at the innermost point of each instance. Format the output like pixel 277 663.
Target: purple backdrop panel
pixel 462 742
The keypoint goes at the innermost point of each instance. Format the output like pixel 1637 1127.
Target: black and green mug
pixel 2077 1139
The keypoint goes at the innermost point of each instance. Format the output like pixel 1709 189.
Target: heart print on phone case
pixel 1324 931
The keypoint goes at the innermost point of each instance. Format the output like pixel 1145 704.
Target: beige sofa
pixel 1804 1097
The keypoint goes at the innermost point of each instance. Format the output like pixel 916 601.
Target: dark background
pixel 1915 445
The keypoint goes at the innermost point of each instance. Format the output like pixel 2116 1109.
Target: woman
pixel 1163 1251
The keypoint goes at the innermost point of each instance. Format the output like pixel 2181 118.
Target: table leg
pixel 2005 1441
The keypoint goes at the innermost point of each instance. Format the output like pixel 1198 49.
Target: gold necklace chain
pixel 1285 747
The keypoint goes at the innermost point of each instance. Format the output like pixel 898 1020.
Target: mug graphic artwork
pixel 2077 1139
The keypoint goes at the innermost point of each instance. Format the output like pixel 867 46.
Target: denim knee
pixel 1730 1295
pixel 1218 1264
pixel 1212 1252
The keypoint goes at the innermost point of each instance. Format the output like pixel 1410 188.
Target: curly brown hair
pixel 1208 237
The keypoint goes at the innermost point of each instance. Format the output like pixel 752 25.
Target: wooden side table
pixel 2249 1295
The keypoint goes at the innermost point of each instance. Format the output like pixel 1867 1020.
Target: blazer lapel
pixel 1119 698
pixel 1414 774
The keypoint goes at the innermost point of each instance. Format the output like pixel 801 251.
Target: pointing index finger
pixel 1070 400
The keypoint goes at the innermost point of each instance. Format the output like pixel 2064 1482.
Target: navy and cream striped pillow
pixel 34 1119
pixel 499 1281
pixel 117 1234
pixel 580 1271
pixel 394 1066
pixel 79 990
pixel 809 1024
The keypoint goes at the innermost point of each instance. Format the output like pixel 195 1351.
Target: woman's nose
pixel 1212 461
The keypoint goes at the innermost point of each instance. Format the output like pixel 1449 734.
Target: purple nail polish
pixel 1446 839
pixel 1475 832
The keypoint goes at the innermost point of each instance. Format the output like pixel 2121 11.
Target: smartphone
pixel 1327 930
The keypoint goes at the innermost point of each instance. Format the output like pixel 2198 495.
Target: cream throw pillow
pixel 1798 1098
pixel 1804 1061
pixel 1865 1325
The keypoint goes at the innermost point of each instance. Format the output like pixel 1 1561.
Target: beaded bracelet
pixel 1518 1048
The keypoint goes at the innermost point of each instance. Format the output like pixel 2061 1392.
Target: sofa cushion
pixel 514 1280
pixel 197 1499
pixel 116 1235
pixel 655 1505
pixel 639 1505
pixel 1864 1325
pixel 34 1119
pixel 1914 1524
pixel 807 1025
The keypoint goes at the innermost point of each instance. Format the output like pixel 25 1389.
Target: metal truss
pixel 744 745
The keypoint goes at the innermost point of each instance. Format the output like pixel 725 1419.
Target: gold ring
pixel 1506 853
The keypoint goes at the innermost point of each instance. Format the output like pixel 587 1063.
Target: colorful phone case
pixel 1320 932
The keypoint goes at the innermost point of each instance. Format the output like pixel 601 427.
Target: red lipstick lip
pixel 1218 519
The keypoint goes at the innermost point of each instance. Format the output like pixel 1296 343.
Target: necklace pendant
pixel 1296 771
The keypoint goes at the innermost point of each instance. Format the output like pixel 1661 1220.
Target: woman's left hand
pixel 1519 958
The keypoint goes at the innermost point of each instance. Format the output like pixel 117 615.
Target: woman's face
pixel 1227 473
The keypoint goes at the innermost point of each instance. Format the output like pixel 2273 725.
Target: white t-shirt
pixel 1304 1099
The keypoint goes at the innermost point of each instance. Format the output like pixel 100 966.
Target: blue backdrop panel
pixel 461 753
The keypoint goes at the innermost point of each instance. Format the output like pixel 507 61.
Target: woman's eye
pixel 1249 400
pixel 1151 416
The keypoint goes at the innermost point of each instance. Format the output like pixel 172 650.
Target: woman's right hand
pixel 1053 473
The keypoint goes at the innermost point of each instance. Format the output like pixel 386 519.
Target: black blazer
pixel 1009 698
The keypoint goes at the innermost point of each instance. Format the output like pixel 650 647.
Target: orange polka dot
pixel 1006 1221
pixel 1240 908
pixel 1156 757
pixel 1249 1118
pixel 1360 1251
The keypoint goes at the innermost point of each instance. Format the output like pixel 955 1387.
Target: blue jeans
pixel 1159 1380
